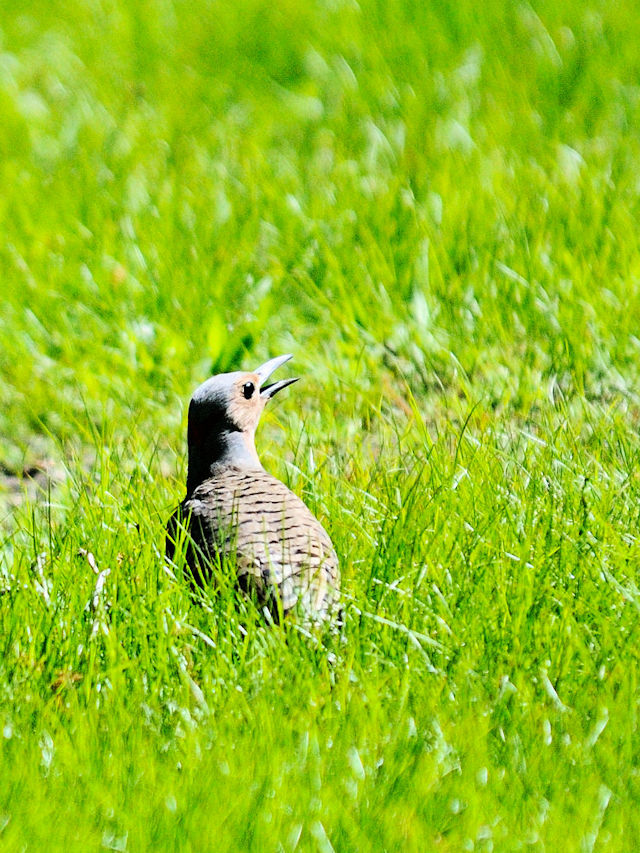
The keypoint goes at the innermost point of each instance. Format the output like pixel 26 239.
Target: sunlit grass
pixel 433 207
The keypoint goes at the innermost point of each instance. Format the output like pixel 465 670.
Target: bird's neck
pixel 225 448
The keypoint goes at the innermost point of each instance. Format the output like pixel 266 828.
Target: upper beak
pixel 264 372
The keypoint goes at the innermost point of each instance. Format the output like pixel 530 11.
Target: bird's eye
pixel 247 389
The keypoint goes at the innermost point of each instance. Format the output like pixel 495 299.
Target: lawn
pixel 433 206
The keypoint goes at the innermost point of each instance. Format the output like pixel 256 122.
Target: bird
pixel 234 509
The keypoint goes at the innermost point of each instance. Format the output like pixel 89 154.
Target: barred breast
pixel 281 551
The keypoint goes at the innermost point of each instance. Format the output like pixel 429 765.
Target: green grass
pixel 434 207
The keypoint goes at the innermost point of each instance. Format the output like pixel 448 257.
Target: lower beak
pixel 264 372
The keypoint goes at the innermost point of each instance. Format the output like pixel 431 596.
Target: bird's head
pixel 224 412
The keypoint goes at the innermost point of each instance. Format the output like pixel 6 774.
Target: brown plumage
pixel 234 507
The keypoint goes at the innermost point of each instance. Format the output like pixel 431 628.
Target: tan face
pixel 223 415
pixel 232 401
pixel 245 402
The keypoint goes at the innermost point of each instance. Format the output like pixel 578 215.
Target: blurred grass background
pixel 434 207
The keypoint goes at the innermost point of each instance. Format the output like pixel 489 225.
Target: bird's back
pixel 281 550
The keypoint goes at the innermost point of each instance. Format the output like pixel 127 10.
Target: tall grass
pixel 433 206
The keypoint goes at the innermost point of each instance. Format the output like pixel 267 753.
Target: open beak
pixel 264 372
